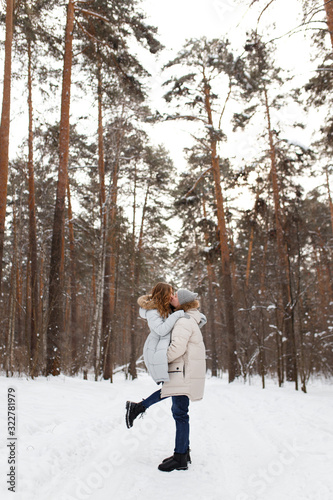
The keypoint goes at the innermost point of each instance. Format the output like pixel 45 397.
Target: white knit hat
pixel 185 296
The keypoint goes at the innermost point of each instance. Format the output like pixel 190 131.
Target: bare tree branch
pixel 201 141
pixel 93 14
pixel 265 8
pixel 225 103
pixel 197 182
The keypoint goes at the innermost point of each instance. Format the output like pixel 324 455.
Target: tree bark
pixel 251 239
pixel 55 321
pixel 9 362
pixel 211 300
pixel 110 271
pixel 73 289
pixel 34 324
pixel 106 316
pixel 132 365
pixel 101 161
pixel 140 241
pixel 329 14
pixel 300 313
pixel 233 368
pixel 4 127
pixel 283 271
pixel 329 195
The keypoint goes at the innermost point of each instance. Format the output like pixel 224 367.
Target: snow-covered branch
pixel 185 117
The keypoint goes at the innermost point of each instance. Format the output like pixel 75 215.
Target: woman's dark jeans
pixel 179 410
pixel 153 398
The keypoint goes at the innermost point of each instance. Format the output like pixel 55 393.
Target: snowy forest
pixel 94 210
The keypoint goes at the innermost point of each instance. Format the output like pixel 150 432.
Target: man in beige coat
pixel 187 369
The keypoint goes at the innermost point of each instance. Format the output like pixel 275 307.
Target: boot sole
pixel 189 461
pixel 176 468
pixel 128 406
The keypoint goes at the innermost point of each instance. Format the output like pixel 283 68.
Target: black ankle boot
pixel 177 462
pixel 133 410
pixel 189 461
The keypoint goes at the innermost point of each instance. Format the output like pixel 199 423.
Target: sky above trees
pixel 177 21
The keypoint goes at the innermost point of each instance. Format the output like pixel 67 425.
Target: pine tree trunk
pixel 102 312
pixel 110 272
pixel 249 253
pixel 261 346
pixel 11 326
pixel 34 328
pixel 73 289
pixel 329 14
pixel 140 241
pixel 322 307
pixel 211 301
pixel 329 195
pixel 132 365
pixel 4 127
pixel 106 315
pixel 41 313
pixel 300 313
pixel 279 351
pixel 55 320
pixel 19 274
pixel 264 261
pixel 283 272
pixel 101 162
pixel 93 350
pixel 10 340
pixel 233 367
pixel 27 322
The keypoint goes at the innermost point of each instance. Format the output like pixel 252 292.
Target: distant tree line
pixel 86 209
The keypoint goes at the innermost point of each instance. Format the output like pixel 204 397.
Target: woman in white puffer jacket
pixel 161 321
pixel 158 340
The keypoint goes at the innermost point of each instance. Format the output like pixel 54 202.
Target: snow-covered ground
pixel 247 443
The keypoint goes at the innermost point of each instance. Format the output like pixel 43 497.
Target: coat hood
pixel 189 305
pixel 195 314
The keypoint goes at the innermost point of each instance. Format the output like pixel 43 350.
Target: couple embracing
pixel 174 354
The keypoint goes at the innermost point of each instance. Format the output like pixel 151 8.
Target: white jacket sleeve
pixel 160 325
pixel 180 337
pixel 203 320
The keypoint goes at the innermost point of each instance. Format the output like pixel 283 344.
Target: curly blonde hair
pixel 161 294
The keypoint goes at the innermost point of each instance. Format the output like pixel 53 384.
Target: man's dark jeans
pixel 179 410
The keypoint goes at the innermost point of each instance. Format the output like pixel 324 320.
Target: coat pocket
pixel 176 367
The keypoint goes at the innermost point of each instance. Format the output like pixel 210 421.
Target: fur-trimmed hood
pixel 146 302
pixel 194 304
